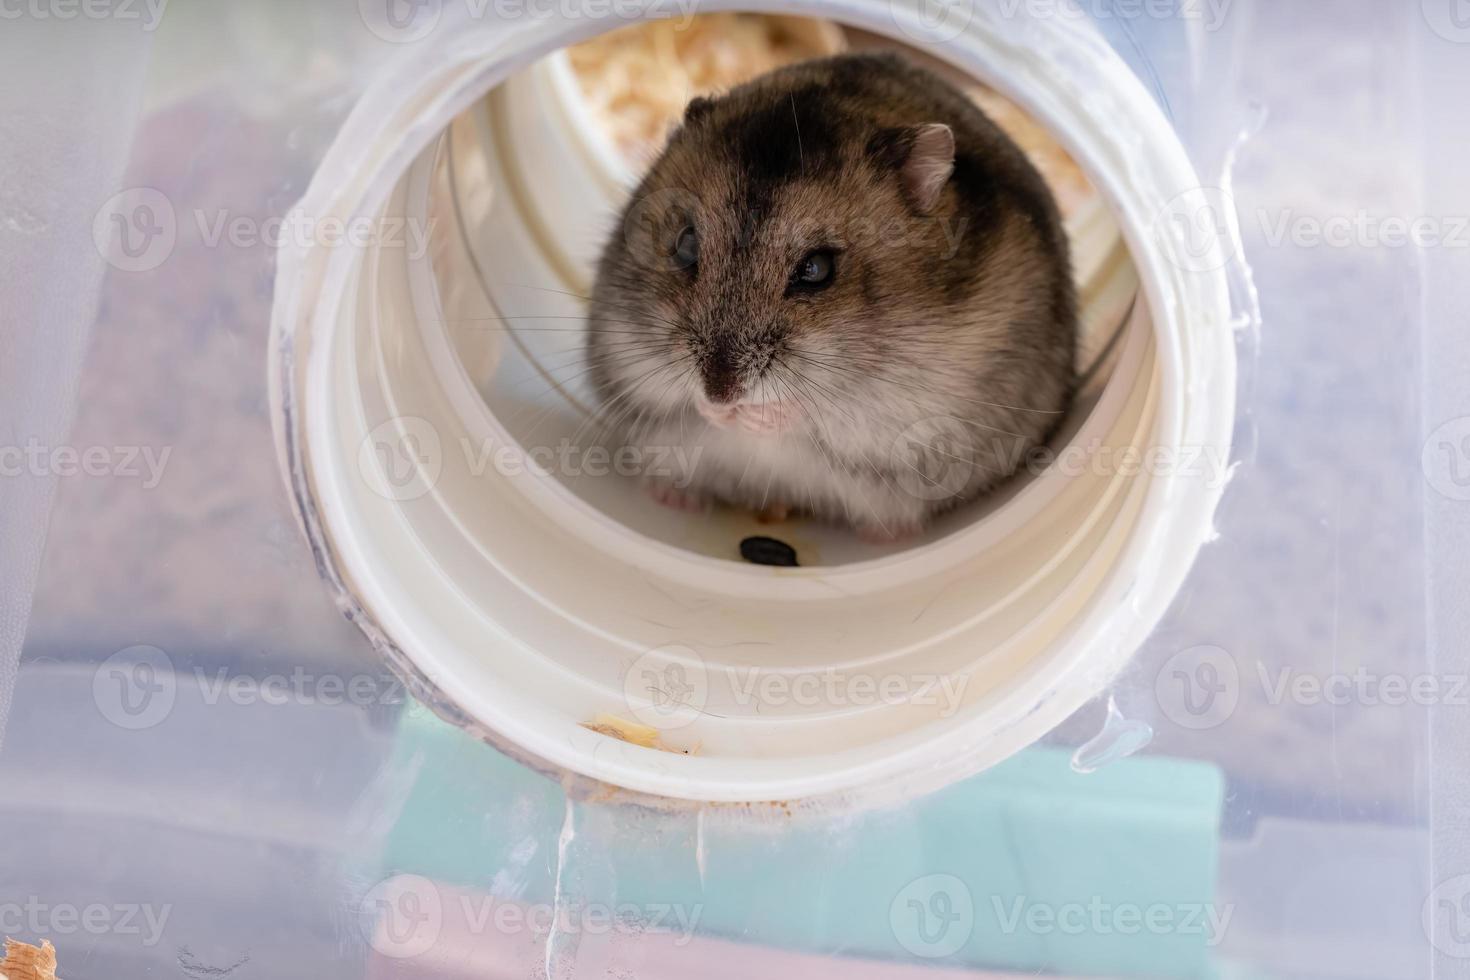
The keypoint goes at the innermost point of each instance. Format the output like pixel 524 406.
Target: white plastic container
pixel 528 606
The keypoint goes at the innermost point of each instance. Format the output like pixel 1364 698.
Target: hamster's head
pixel 801 254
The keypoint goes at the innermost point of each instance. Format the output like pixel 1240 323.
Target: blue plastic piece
pixel 1029 866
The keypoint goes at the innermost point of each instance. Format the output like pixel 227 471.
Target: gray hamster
pixel 839 290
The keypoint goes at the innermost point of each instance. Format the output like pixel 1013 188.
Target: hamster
pixel 839 290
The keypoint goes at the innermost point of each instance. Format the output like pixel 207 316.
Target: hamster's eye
pixel 686 248
pixel 814 271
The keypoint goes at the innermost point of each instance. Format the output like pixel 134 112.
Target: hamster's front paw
pixel 773 513
pixel 677 498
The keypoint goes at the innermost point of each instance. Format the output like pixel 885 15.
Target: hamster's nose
pixel 723 392
pixel 721 376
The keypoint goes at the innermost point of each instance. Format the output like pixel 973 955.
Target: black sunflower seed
pixel 760 550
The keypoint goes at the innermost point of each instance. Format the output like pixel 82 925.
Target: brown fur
pixel 943 336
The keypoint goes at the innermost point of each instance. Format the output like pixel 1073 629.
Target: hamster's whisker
pixel 517 317
pixel 607 358
pixel 559 380
pixel 625 396
pixel 795 122
pixel 894 429
pixel 876 470
pixel 831 394
pixel 588 299
pixel 596 419
pixel 815 419
pixel 546 411
pixel 603 409
pixel 866 458
pixel 876 376
pixel 985 425
pixel 633 415
pixel 620 348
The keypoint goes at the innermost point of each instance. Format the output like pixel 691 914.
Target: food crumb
pixel 631 732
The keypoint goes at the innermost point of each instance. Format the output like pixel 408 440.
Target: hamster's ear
pixel 924 157
pixel 697 109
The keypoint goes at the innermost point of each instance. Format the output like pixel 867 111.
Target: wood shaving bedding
pixel 26 962
pixel 637 81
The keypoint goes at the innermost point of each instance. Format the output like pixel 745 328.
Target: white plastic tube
pixel 524 606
